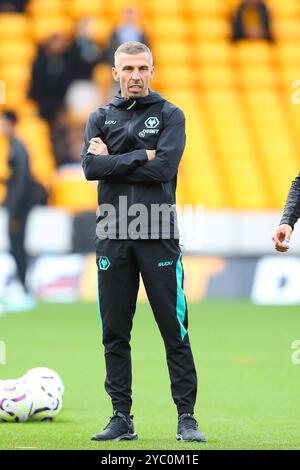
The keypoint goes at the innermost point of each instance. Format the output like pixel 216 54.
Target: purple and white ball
pixel 47 401
pixel 16 402
pixel 46 376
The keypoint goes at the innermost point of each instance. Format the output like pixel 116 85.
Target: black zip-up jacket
pixel 291 211
pixel 128 127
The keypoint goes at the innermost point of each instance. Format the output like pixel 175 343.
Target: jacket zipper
pixel 129 135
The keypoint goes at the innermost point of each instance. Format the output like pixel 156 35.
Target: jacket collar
pixel 129 103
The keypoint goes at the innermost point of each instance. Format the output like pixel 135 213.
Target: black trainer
pixel 119 428
pixel 188 429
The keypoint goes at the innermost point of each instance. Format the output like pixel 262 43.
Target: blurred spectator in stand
pixel 83 94
pixel 59 132
pixel 252 21
pixel 62 84
pixel 66 139
pixel 51 76
pixel 128 30
pixel 85 52
pixel 17 6
pixel 21 189
pixel 82 97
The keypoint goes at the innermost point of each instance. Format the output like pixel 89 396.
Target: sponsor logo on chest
pixel 151 124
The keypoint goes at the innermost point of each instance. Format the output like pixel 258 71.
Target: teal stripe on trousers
pixel 99 309
pixel 180 304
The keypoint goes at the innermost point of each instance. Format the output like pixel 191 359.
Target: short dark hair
pixel 11 116
pixel 133 47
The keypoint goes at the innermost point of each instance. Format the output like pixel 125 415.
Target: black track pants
pixel 17 238
pixel 159 261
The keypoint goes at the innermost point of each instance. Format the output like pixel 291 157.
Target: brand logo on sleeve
pixel 110 123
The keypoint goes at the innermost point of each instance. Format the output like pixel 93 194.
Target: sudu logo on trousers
pixel 163 264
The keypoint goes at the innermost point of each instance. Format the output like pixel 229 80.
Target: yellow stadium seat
pixel 288 53
pixel 43 27
pixel 16 51
pixel 103 76
pixel 288 75
pixel 4 168
pixel 216 76
pixel 24 107
pixel 266 120
pixel 243 174
pixel 287 29
pixel 175 77
pixel 265 99
pixel 254 52
pixel 79 8
pixel 219 101
pixel 47 7
pixel 16 77
pixel 165 52
pixel 213 52
pixel 28 109
pixel 212 28
pixel 288 8
pixel 208 8
pixel 35 134
pixel 13 25
pixel 15 97
pixel 258 77
pixel 293 117
pixel 71 191
pixel 101 29
pixel 276 147
pixel 199 159
pixel 183 97
pixel 168 28
pixel 157 8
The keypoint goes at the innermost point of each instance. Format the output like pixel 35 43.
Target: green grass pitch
pixel 248 395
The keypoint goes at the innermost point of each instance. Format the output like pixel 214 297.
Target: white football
pixel 16 402
pixel 9 384
pixel 47 376
pixel 47 400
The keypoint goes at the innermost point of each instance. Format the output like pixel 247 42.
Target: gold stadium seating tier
pixel 243 145
pixel 70 190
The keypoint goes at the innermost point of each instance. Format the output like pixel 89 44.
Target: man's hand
pixel 281 237
pixel 97 147
pixel 151 154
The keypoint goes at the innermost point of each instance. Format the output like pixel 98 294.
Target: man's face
pixel 134 72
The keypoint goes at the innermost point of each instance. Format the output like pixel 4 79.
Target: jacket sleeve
pixel 170 147
pixel 291 211
pixel 103 167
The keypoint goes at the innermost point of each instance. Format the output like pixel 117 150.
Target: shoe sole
pixel 180 438
pixel 123 437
